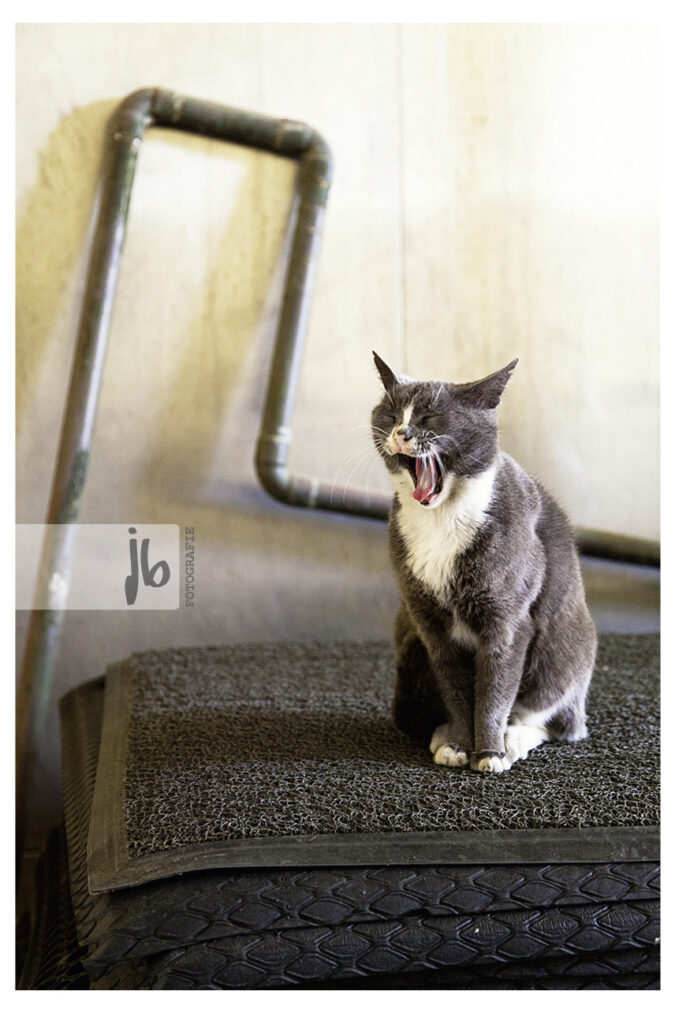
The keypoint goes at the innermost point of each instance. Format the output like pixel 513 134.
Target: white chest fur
pixel 434 537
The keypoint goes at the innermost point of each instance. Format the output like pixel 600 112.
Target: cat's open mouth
pixel 426 474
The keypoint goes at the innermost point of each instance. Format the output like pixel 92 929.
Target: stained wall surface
pixel 495 195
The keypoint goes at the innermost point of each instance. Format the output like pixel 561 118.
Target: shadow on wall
pixel 51 236
pixel 201 436
pixel 200 429
pixel 214 392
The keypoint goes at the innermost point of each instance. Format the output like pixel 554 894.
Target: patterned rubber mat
pixel 52 956
pixel 564 925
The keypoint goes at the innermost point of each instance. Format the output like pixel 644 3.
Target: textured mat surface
pixel 52 958
pixel 286 754
pixel 500 926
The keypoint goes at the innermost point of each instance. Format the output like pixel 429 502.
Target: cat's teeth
pixel 427 478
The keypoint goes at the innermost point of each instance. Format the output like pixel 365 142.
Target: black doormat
pixel 576 925
pixel 277 755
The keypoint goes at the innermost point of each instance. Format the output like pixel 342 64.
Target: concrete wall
pixel 495 195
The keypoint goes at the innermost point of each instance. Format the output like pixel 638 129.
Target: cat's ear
pixel 388 377
pixel 486 393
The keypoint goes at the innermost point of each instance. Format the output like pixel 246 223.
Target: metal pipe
pixel 272 450
pixel 136 113
pixel 618 547
pixel 46 623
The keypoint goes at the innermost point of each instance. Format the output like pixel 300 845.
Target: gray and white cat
pixel 495 645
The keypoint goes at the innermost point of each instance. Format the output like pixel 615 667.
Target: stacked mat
pixel 248 816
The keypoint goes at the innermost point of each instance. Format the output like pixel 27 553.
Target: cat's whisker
pixel 359 463
pixel 364 451
pixel 366 426
pixel 360 454
pixel 466 455
pixel 368 475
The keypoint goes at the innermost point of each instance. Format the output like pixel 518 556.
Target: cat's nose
pixel 405 433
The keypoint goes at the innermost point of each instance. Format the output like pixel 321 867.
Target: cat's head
pixel 430 433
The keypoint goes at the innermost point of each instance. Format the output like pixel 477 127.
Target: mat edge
pixel 555 846
pixel 106 840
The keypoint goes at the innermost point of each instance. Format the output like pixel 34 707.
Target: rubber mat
pixel 277 755
pixel 484 925
pixel 52 958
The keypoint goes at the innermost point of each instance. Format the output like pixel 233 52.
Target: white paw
pixel 521 739
pixel 492 764
pixel 444 751
pixel 450 757
pixel 440 737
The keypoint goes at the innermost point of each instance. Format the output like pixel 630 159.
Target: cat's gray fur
pixel 495 644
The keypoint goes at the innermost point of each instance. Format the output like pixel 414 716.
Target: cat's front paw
pixel 491 762
pixel 451 757
pixel 445 752
pixel 520 739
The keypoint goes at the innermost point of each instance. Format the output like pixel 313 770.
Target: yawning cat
pixel 495 644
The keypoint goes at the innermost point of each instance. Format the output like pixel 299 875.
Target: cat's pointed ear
pixel 486 393
pixel 388 377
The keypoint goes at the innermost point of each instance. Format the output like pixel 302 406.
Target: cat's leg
pixel 568 721
pixel 500 659
pixel 569 724
pixel 557 684
pixel 418 708
pixel 560 670
pixel 451 669
pixel 527 729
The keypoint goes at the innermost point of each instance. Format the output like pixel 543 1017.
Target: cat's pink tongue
pixel 425 471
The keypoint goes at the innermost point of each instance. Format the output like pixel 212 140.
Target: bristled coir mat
pixel 272 755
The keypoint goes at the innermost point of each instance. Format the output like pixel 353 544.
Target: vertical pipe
pixel 32 703
pixel 275 433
